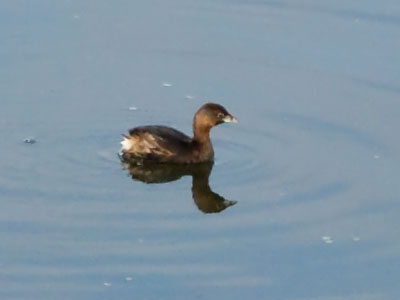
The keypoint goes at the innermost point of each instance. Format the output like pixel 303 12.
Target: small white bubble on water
pixel 356 238
pixel 132 108
pixel 128 278
pixel 30 140
pixel 377 156
pixel 76 16
pixel 166 84
pixel 107 284
pixel 327 239
pixel 189 97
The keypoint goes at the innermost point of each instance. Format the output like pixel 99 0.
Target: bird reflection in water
pixel 206 200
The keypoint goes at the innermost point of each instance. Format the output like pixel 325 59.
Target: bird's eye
pixel 220 115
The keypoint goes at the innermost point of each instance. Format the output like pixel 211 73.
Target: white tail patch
pixel 126 143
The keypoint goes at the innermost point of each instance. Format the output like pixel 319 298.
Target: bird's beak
pixel 230 119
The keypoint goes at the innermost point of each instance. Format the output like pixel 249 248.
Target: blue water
pixel 312 164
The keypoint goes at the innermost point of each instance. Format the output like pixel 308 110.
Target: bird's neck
pixel 202 134
pixel 203 144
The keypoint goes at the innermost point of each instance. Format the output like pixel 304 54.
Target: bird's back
pixel 156 143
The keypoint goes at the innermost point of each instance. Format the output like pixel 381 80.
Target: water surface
pixel 312 166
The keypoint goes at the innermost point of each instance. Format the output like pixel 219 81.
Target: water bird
pixel 162 144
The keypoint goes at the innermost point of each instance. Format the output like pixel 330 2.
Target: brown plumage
pixel 161 144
